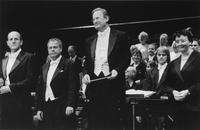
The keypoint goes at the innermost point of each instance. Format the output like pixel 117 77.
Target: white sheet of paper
pixel 146 93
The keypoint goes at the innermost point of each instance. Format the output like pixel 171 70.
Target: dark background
pixel 38 21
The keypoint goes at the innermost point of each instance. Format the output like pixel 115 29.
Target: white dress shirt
pixel 101 53
pixel 130 84
pixel 52 68
pixel 174 55
pixel 11 60
pixel 161 69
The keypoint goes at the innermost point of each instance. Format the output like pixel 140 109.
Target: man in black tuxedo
pixel 57 90
pixel 16 70
pixel 107 55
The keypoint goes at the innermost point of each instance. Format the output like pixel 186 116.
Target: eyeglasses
pixel 161 54
pixel 193 45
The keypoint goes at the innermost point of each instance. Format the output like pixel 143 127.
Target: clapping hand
pixel 69 110
pixel 180 96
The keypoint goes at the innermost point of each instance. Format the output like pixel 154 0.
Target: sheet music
pixel 145 93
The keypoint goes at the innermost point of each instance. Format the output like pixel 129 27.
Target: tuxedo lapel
pixel 59 68
pixel 93 47
pixel 155 77
pixel 18 60
pixel 177 64
pixel 189 61
pixel 4 65
pixel 112 39
pixel 162 78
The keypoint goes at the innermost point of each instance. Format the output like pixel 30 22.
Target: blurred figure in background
pixel 76 61
pixel 163 41
pixel 130 75
pixel 132 49
pixel 195 44
pixel 143 45
pixel 151 51
pixel 73 57
pixel 139 64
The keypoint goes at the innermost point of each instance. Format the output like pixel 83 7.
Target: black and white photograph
pixel 100 65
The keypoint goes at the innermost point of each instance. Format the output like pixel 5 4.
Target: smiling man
pixel 107 55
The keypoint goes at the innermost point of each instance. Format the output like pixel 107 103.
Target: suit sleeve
pixel 73 81
pixel 87 55
pixel 195 87
pixel 39 94
pixel 168 81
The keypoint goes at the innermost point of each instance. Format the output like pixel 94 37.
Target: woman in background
pixel 140 66
pixel 143 46
pixel 163 41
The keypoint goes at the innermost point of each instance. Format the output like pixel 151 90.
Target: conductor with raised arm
pixel 106 56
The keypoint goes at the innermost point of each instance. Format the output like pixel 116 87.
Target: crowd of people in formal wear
pixel 110 66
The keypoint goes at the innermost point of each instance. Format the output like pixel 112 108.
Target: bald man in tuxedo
pixel 16 70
